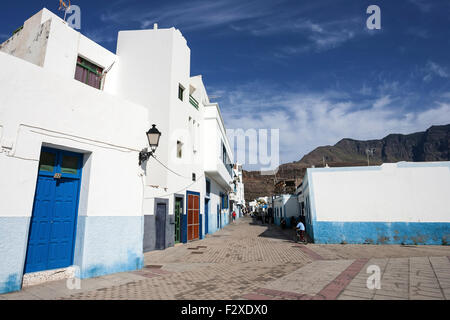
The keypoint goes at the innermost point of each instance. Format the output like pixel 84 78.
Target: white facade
pixel 238 192
pixel 42 105
pixel 285 207
pixel 392 203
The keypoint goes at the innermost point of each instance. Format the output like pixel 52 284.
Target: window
pixel 179 149
pixel 69 164
pixel 224 200
pixel 89 73
pixel 194 177
pixel 47 161
pixel 226 160
pixel 208 187
pixel 180 92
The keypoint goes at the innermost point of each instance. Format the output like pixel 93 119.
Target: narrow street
pixel 253 261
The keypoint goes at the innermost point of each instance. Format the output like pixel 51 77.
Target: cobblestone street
pixel 253 261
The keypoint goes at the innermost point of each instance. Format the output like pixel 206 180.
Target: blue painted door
pixel 53 223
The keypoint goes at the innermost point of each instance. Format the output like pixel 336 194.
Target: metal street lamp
pixel 153 136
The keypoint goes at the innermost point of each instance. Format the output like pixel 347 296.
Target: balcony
pixel 193 102
pixel 217 163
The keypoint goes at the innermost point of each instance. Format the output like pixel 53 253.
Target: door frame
pixel 185 235
pixel 207 207
pixel 57 169
pixel 166 202
pixel 182 197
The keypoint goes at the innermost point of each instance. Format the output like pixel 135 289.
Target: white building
pixel 64 147
pixel 81 143
pixel 237 197
pixel 284 207
pixel 217 163
pixel 389 204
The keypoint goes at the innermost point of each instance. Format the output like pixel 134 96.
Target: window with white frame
pixel 179 149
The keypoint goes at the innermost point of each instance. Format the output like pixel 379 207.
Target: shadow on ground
pixel 276 232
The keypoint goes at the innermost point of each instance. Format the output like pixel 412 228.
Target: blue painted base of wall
pixel 13 246
pixel 381 233
pixel 107 245
pixel 104 245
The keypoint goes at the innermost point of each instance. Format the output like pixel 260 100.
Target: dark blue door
pixel 160 224
pixel 53 222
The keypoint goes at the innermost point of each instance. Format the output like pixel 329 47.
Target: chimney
pixel 155 26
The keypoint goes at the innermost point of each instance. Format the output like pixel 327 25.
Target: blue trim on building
pixel 312 205
pixel 200 227
pixel 382 232
pixel 104 245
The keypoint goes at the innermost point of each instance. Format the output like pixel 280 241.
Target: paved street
pixel 252 261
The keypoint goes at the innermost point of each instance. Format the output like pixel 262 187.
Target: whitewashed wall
pixel 404 203
pixel 405 192
pixel 41 108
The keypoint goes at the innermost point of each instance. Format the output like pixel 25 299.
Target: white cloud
pixel 382 102
pixel 307 121
pixel 423 5
pixel 433 69
pixel 101 35
pixel 322 36
pixel 189 16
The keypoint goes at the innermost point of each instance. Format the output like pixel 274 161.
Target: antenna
pixel 63 7
pixel 370 152
pixel 324 160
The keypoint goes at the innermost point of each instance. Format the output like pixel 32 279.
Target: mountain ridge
pixel 430 145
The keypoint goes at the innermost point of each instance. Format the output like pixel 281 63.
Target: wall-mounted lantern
pixel 153 136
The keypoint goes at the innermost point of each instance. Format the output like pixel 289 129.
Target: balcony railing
pixel 193 102
pixel 17 30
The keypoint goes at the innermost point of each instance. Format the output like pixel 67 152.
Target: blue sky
pixel 309 68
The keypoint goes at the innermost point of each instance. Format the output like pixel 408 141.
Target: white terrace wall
pixel 38 108
pixel 47 41
pixel 392 203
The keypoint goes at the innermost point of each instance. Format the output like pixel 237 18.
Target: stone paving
pixel 248 260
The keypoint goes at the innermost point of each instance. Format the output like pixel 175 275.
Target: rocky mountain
pixel 431 145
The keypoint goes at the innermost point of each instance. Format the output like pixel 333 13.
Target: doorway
pixel 219 220
pixel 51 239
pixel 178 214
pixel 193 216
pixel 160 225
